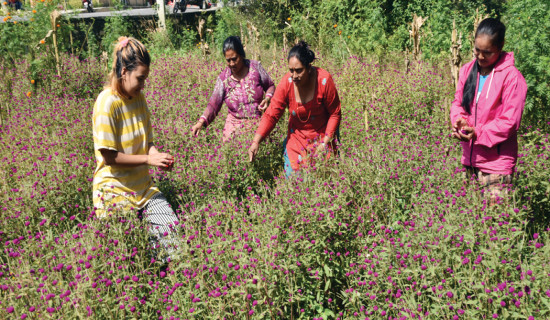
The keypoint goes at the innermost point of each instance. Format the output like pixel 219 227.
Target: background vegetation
pixel 381 28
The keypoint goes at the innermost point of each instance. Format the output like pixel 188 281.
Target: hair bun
pixel 303 53
pixel 303 44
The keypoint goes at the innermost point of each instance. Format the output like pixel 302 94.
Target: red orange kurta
pixel 308 123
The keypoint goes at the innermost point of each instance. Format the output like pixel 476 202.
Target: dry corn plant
pixel 203 45
pixel 414 34
pixel 254 36
pixel 105 60
pixel 456 59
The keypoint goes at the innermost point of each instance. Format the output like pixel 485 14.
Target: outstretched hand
pixel 264 104
pixel 253 151
pixel 197 127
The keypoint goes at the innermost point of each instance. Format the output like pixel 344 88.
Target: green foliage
pixel 367 26
pixel 19 38
pixel 350 27
pixel 528 36
pixel 31 38
pixel 91 42
pixel 228 24
pixel 115 27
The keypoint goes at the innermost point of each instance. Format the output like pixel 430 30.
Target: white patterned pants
pixel 162 227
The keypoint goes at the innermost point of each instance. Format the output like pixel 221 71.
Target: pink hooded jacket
pixel 496 117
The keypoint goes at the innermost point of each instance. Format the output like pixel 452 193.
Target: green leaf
pixel 328 271
pixel 327 285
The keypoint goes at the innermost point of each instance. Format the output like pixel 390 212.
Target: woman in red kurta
pixel 314 106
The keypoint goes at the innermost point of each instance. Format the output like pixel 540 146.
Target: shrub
pixel 528 35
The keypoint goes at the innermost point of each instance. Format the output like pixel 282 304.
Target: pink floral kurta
pixel 241 97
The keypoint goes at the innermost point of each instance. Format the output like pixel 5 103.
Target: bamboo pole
pixel 162 15
pixel 54 16
pixel 456 59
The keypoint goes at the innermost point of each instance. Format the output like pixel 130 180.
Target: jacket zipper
pixel 472 141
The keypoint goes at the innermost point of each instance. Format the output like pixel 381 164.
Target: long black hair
pixel 303 53
pixel 234 43
pixel 496 31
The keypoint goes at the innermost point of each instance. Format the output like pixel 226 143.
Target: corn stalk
pixel 456 59
pixel 414 34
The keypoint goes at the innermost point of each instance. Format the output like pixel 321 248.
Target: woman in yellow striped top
pixel 124 149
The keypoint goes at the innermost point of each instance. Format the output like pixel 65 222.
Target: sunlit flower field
pixel 389 229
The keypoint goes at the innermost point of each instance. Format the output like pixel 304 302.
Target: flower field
pixel 389 229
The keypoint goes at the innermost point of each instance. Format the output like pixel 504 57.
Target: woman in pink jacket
pixel 486 112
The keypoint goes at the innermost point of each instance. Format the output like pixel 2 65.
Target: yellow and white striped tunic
pixel 125 126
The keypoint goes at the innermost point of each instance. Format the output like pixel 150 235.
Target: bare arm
pixel 156 158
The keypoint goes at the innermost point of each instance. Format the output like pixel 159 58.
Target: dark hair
pixel 234 43
pixel 302 52
pixel 496 30
pixel 129 53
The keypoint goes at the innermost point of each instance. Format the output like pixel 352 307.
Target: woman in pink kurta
pixel 242 86
pixel 310 95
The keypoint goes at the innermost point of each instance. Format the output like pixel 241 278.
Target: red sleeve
pixel 276 108
pixel 332 104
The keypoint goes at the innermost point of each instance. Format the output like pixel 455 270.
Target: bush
pixel 528 36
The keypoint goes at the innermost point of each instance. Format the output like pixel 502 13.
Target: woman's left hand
pixel 466 133
pixel 264 104
pixel 321 148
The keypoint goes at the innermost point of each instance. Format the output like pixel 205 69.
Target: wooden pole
pixel 162 15
pixel 456 44
pixel 5 8
pixel 54 16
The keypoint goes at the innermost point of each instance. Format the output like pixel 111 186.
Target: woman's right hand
pixel 253 151
pixel 197 127
pixel 161 160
